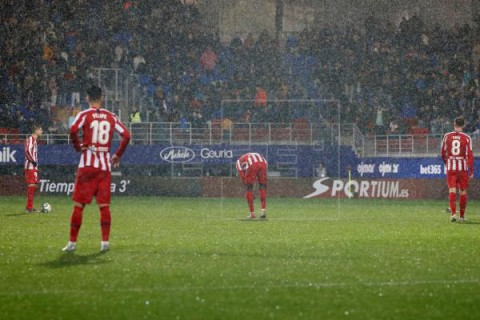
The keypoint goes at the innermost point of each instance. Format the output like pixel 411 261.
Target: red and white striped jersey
pixel 457 152
pixel 248 159
pixel 31 153
pixel 97 127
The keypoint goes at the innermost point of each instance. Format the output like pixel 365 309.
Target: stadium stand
pixel 418 77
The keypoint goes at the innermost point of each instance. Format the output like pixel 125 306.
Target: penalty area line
pixel 289 219
pixel 310 285
pixel 327 285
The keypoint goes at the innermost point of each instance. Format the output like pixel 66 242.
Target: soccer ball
pixel 46 207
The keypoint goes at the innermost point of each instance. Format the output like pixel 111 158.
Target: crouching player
pixel 93 177
pixel 252 167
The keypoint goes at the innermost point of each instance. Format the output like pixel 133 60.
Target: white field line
pixel 264 287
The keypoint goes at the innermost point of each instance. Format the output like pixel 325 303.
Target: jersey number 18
pixel 100 131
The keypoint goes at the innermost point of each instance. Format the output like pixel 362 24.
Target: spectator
pixel 53 88
pixel 379 120
pixel 260 99
pixel 135 116
pixel 23 124
pixel 56 127
pixel 120 55
pixel 227 125
pixel 320 171
pixel 43 117
pixel 47 52
pixel 197 120
pixel 183 123
pixel 71 117
pixel 208 61
pixel 138 63
pixel 5 117
pixel 247 116
pixel 249 42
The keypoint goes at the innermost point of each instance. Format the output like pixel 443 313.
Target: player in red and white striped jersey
pixel 458 157
pixel 252 167
pixel 93 175
pixel 31 166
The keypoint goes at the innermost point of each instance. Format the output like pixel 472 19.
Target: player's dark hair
pixel 94 93
pixel 459 122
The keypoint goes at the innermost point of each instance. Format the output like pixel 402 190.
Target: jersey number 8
pixel 455 147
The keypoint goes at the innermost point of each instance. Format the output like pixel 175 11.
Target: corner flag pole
pixel 350 195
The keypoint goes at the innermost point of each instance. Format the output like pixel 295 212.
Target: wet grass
pixel 182 258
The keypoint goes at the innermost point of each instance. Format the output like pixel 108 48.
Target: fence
pixel 403 144
pixel 215 133
pixel 227 133
pixel 122 90
pixel 295 133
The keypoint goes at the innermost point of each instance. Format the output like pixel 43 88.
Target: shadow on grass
pixel 251 220
pixel 25 214
pixel 71 259
pixel 18 214
pixel 469 222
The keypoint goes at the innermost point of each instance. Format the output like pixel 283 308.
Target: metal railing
pixel 49 138
pixel 403 144
pixel 349 134
pixel 213 133
pixel 175 133
pixel 236 133
pixel 122 90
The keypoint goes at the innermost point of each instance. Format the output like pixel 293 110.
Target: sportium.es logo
pixel 320 188
pixel 7 155
pixel 358 189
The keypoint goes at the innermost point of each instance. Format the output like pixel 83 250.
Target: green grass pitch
pixel 193 258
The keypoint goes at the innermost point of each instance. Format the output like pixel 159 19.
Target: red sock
pixel 30 196
pixel 249 196
pixel 105 222
pixel 75 223
pixel 453 202
pixel 263 197
pixel 463 204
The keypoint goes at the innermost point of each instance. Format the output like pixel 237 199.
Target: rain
pixel 288 153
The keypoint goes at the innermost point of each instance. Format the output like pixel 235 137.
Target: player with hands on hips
pixel 93 178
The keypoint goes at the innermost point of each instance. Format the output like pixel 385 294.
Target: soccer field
pixel 194 258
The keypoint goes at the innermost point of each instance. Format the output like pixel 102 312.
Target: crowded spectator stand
pixel 389 80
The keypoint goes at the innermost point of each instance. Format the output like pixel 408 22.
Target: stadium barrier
pixel 287 160
pixel 292 169
pixel 300 132
pixel 403 144
pixel 217 132
pixel 284 160
pixel 217 187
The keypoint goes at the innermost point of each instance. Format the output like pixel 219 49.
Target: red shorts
pixel 256 172
pixel 458 179
pixel 92 182
pixel 31 176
